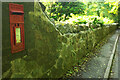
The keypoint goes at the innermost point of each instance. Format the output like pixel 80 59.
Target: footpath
pixel 115 70
pixel 100 66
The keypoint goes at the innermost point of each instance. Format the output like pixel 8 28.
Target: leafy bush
pixel 104 11
pixel 58 9
pixel 83 19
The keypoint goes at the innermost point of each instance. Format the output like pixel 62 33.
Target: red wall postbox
pixel 16 15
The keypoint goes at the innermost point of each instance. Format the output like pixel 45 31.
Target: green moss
pixel 18 75
pixel 47 53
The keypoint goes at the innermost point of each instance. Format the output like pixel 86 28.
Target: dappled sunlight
pixel 83 12
pixel 88 19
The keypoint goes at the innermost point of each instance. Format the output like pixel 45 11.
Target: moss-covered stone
pixel 49 52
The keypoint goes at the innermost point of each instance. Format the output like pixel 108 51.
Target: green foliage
pixel 84 12
pixel 103 9
pixel 76 19
pixel 62 10
pixel 98 21
pixel 80 21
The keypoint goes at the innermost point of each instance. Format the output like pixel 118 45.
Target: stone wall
pixel 48 53
pixel 75 46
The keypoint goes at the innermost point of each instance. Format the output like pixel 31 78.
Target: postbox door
pixel 16 27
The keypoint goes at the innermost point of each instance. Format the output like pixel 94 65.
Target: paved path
pixel 115 71
pixel 95 68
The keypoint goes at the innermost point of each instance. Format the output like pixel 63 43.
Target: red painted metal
pixel 16 14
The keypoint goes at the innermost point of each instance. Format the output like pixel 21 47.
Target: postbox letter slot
pixel 14 13
pixel 17 12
